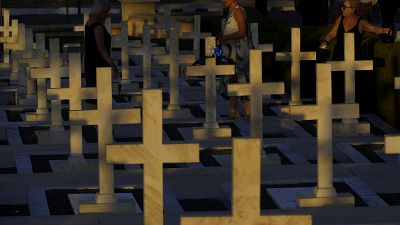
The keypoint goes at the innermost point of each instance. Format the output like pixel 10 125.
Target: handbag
pixel 388 37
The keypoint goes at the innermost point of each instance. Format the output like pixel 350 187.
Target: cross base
pixel 35 116
pixel 342 129
pixel 52 137
pixel 122 207
pixel 206 133
pixel 177 113
pixel 342 199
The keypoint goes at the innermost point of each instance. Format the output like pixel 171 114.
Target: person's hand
pixel 324 45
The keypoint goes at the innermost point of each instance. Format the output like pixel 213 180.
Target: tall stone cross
pixel 196 35
pixel 19 46
pixel 209 71
pixel 255 40
pixel 349 66
pixel 37 58
pixel 324 111
pixel 152 154
pixel 147 51
pixel 104 117
pixel 6 29
pixel 55 72
pixel 74 93
pixel 295 56
pixel 174 59
pixel 392 141
pixel 256 89
pixel 246 176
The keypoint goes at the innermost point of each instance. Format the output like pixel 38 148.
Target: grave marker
pixel 54 72
pixel 75 94
pixel 152 154
pixel 196 35
pixel 147 51
pixel 349 66
pixel 209 71
pixel 104 117
pixel 174 59
pixel 295 56
pixel 324 111
pixel 256 89
pixel 246 176
pixel 392 141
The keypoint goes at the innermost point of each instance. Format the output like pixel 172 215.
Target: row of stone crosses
pixel 32 65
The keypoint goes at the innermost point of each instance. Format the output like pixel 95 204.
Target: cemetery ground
pixel 35 187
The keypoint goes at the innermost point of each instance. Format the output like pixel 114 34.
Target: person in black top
pixel 97 43
pixel 349 21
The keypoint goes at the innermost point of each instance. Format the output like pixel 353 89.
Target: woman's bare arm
pixel 368 27
pixel 331 34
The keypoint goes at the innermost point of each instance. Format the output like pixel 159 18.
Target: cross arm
pixel 249 220
pixel 311 112
pixel 142 153
pixel 126 116
pixel 337 65
pixel 273 88
pixel 238 89
pixel 87 117
pixel 392 144
pixel 364 65
pixel 58 94
pixel 40 73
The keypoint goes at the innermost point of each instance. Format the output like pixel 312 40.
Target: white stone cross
pixel 174 59
pixel 152 154
pixel 35 58
pixel 15 48
pixel 246 176
pixel 147 51
pixel 392 141
pixel 210 70
pixel 324 111
pixel 74 93
pixel 55 72
pixel 349 66
pixel 295 56
pixel 256 89
pixel 196 35
pixel 255 40
pixel 104 117
pixel 6 29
